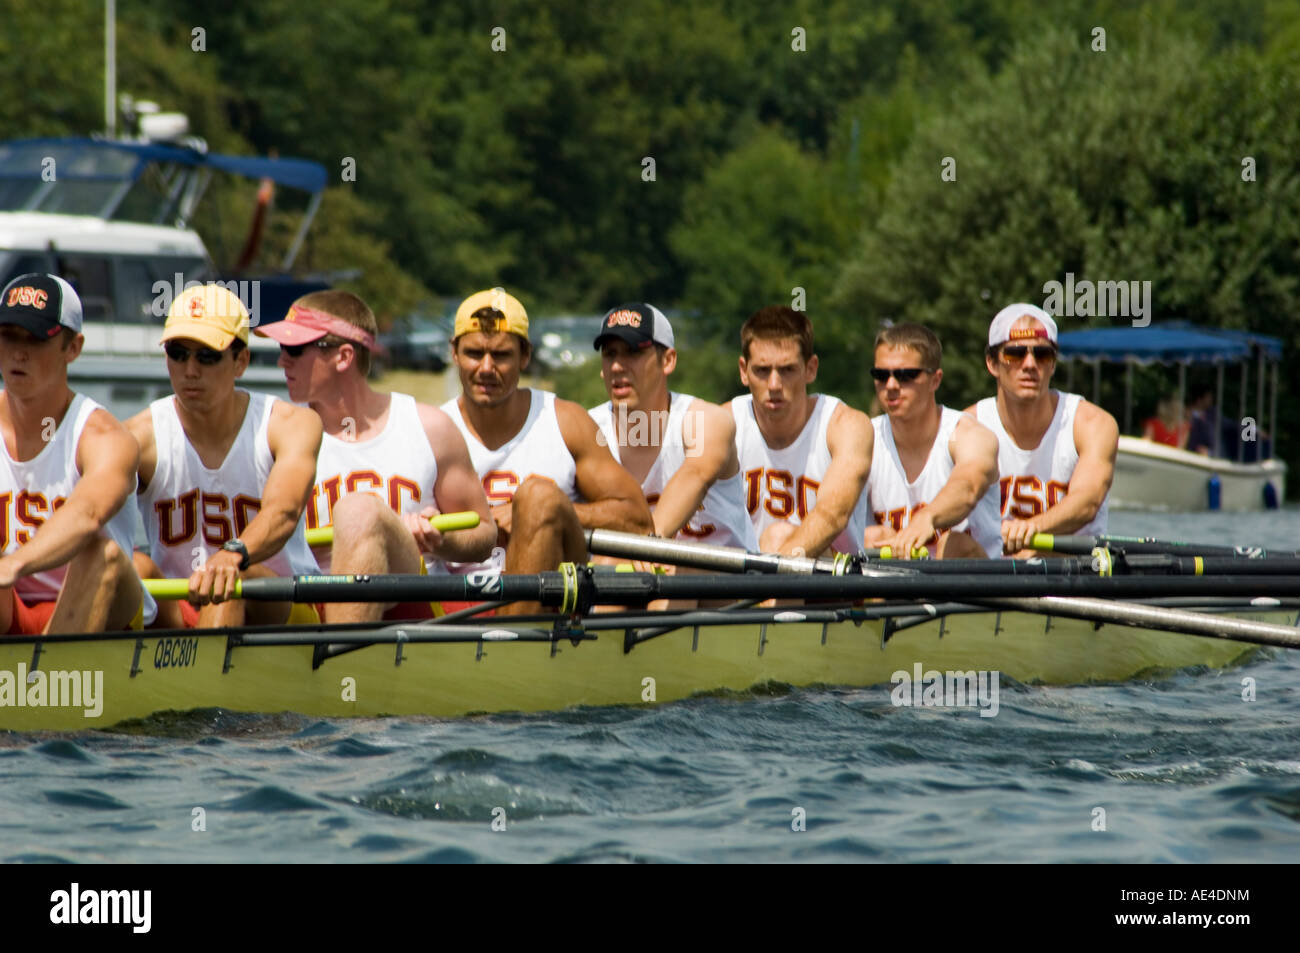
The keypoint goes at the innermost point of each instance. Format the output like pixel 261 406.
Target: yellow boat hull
pixel 141 676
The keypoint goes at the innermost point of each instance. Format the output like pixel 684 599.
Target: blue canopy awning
pixel 97 159
pixel 1169 342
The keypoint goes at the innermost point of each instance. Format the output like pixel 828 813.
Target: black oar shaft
pixel 1084 545
pixel 627 588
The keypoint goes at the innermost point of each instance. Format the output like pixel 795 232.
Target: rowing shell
pixel 615 659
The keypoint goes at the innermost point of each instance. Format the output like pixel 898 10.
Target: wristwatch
pixel 237 546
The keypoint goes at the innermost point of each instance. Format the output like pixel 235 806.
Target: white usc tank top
pixel 31 490
pixel 893 499
pixel 398 465
pixel 190 510
pixel 722 519
pixel 538 449
pixel 1034 480
pixel 782 484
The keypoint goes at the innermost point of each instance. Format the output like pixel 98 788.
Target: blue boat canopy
pixel 98 159
pixel 1167 343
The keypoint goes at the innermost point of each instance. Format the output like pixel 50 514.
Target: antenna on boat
pixel 110 68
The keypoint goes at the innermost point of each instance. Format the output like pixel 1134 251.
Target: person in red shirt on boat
pixel 224 473
pixel 67 478
pixel 1169 426
pixel 387 463
pixel 1056 451
pixel 543 467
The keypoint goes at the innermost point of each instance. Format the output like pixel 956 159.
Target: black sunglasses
pixel 903 375
pixel 295 350
pixel 1015 353
pixel 205 355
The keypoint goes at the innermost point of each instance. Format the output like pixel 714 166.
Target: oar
pixel 1084 545
pixel 443 522
pixel 606 542
pixel 619 544
pixel 576 588
pixel 732 559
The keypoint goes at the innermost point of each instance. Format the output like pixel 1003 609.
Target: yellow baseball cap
pixel 491 311
pixel 209 314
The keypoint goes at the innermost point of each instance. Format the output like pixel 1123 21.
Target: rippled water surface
pixel 1184 769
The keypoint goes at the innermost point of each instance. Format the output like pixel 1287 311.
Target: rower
pixel 805 457
pixel 934 481
pixel 681 449
pixel 1056 451
pixel 377 482
pixel 224 473
pixel 67 477
pixel 545 472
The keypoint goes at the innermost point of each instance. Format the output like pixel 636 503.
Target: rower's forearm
pixel 57 541
pixel 1069 515
pixel 952 505
pixel 625 516
pixel 267 533
pixel 675 509
pixel 815 534
pixel 468 545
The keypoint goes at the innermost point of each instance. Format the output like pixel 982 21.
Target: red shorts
pixel 29 619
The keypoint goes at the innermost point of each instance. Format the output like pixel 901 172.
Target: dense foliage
pixel 796 149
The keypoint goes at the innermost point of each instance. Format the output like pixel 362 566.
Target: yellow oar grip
pixel 918 552
pixel 443 523
pixel 177 588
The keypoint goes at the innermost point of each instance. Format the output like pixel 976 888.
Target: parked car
pixel 564 341
pixel 418 341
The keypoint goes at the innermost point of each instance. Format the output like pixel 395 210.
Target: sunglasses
pixel 296 350
pixel 1015 353
pixel 205 355
pixel 903 375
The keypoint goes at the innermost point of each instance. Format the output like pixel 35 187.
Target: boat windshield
pixel 87 178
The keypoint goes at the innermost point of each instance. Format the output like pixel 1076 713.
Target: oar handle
pixel 171 589
pixel 443 523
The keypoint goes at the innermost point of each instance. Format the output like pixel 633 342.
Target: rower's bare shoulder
pixel 716 417
pixel 105 430
pixel 1095 425
pixel 294 423
pixel 438 425
pixel 140 426
pixel 971 433
pixel 849 422
pixel 575 422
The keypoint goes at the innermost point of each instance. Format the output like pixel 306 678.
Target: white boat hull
pixel 1153 476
